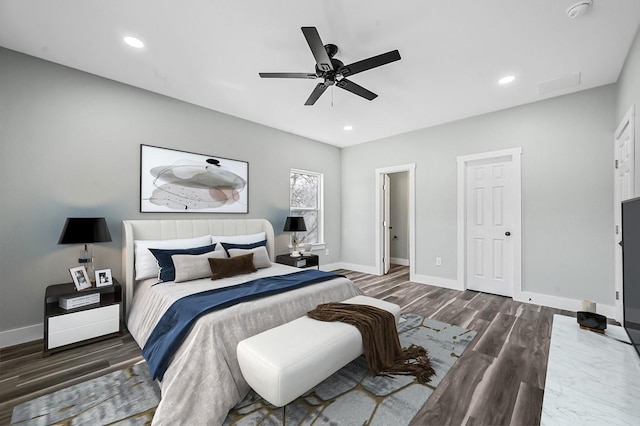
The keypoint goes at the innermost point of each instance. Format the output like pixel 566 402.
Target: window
pixel 306 200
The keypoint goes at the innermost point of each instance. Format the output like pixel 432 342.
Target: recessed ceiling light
pixel 134 42
pixel 507 79
pixel 348 128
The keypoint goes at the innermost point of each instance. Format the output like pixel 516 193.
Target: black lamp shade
pixel 84 230
pixel 294 224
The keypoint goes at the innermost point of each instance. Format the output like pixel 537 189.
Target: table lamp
pixel 85 230
pixel 294 224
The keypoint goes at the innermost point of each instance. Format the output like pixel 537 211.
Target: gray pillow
pixel 194 266
pixel 260 256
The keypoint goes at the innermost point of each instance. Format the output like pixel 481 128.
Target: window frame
pixel 320 244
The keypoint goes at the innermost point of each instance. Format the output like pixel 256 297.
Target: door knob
pixel 507 233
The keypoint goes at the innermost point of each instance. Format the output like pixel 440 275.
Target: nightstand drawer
pixel 78 326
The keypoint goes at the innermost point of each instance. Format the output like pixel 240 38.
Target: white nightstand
pixel 66 328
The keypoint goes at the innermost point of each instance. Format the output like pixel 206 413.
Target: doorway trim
pixel 463 161
pixel 379 174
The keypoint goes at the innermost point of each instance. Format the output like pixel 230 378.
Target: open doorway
pixel 395 217
pixel 399 218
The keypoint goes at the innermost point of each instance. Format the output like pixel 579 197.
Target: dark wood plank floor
pixel 499 379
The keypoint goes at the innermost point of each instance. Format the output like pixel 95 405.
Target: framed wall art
pixel 174 181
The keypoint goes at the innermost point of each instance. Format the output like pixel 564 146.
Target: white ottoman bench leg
pixel 284 362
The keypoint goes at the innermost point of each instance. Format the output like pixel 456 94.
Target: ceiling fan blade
pixel 356 89
pixel 317 48
pixel 319 90
pixel 287 75
pixel 367 64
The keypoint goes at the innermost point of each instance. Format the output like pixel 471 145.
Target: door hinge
pixel 617 164
pixel 617 295
pixel 617 229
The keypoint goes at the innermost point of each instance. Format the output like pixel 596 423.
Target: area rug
pixel 350 397
pixel 124 397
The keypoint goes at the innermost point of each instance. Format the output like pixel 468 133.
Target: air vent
pixel 561 83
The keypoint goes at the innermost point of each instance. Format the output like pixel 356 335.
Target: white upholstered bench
pixel 284 362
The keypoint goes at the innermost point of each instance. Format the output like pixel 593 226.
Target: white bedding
pixel 203 381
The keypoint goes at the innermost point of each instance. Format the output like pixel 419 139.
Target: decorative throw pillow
pixel 229 246
pixel 165 263
pixel 146 264
pixel 229 267
pixel 194 266
pixel 260 256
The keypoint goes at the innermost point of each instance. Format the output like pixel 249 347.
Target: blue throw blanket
pixel 173 327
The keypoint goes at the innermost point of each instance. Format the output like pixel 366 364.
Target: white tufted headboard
pixel 167 229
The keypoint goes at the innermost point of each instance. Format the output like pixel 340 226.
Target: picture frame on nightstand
pixel 80 277
pixel 103 278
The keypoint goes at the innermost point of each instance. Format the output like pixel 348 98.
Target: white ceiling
pixel 209 53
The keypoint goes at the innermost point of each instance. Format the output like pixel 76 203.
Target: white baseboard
pixel 331 266
pixel 437 281
pixel 21 335
pixel 350 266
pixel 399 261
pixel 565 303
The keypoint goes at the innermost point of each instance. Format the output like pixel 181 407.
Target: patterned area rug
pixel 124 397
pixel 350 397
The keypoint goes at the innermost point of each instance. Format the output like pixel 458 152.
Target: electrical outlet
pixel 438 261
pixel 326 252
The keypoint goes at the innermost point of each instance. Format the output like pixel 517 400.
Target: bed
pixel 203 380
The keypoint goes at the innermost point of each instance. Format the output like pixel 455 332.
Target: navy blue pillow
pixel 167 268
pixel 229 246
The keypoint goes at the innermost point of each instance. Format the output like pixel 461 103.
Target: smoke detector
pixel 579 9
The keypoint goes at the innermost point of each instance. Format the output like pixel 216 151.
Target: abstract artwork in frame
pixel 180 181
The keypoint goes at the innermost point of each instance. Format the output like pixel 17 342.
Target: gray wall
pixel 629 94
pixel 69 146
pixel 399 183
pixel 567 191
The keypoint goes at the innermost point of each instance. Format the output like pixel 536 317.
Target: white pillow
pixel 146 264
pixel 238 239
pixel 194 266
pixel 260 256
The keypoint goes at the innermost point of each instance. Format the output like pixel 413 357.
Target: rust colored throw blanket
pixel 382 348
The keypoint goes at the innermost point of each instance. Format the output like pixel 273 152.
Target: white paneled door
pixel 489 213
pixel 624 172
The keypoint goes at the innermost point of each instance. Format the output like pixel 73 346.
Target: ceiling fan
pixel 332 70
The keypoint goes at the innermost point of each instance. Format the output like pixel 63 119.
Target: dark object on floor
pixel 592 321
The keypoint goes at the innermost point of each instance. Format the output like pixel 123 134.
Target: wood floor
pixel 499 379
